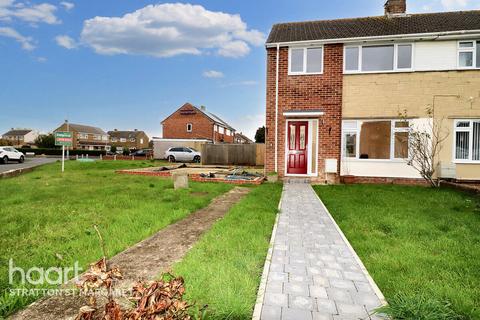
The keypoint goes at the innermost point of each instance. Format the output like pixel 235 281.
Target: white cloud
pixel 42 59
pixel 213 74
pixel 443 5
pixel 26 42
pixel 171 29
pixel 67 5
pixel 66 42
pixel 25 11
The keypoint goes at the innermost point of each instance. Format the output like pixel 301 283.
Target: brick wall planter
pixel 120 157
pixel 382 180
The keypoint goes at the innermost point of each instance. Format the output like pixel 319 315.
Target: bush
pixel 58 152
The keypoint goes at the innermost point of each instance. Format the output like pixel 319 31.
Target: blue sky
pixel 129 63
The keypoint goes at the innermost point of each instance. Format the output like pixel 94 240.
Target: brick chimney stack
pixel 395 7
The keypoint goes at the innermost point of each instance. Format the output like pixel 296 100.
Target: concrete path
pixel 313 272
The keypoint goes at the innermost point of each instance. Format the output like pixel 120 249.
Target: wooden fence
pixel 234 154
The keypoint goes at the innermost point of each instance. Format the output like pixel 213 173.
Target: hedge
pixel 58 152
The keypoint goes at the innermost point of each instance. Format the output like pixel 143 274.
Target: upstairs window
pixel 468 54
pixel 189 127
pixel 379 58
pixel 305 60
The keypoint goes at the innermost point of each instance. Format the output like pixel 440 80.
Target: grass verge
pixel 47 217
pixel 420 245
pixel 224 268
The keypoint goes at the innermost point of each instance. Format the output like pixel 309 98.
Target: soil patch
pixel 145 260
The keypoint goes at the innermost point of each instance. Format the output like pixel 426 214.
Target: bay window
pixel 468 54
pixel 378 58
pixel 467 140
pixel 305 60
pixel 375 140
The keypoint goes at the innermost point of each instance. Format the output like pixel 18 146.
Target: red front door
pixel 297 145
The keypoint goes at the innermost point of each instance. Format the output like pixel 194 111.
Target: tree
pixel 113 149
pixel 424 146
pixel 260 135
pixel 45 141
pixel 5 142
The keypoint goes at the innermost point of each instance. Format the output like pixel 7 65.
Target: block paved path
pixel 314 273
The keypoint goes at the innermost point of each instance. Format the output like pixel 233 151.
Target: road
pixel 29 163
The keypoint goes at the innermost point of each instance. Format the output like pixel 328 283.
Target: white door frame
pixel 309 148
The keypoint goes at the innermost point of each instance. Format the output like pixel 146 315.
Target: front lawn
pixel 224 268
pixel 46 219
pixel 421 245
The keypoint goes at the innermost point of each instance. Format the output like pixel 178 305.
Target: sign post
pixel 64 139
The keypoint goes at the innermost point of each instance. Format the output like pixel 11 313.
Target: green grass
pixel 421 245
pixel 223 269
pixel 45 215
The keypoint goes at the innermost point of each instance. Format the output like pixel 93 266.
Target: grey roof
pixel 217 119
pixel 86 129
pixel 18 132
pixel 375 26
pixel 125 134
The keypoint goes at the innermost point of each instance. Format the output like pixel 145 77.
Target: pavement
pixel 313 273
pixel 29 163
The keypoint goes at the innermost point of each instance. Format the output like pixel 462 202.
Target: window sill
pixel 304 73
pixel 466 161
pixel 375 160
pixel 377 72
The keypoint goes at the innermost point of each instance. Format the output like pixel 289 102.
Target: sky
pixel 128 64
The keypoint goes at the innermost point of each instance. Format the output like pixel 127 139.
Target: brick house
pixel 86 137
pixel 190 122
pixel 131 140
pixel 336 88
pixel 20 137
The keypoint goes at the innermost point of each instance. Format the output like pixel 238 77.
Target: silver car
pixel 182 154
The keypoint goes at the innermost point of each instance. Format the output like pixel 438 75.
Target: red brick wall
pixel 175 126
pixel 304 92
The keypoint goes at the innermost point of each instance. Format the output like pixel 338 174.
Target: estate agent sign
pixel 64 139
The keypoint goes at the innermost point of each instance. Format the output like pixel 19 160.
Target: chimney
pixel 203 108
pixel 135 129
pixel 395 7
pixel 115 130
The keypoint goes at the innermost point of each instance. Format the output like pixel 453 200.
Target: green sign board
pixel 63 139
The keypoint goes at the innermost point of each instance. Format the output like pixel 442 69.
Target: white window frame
pixel 357 130
pixel 221 130
pixel 470 140
pixel 304 72
pixel 473 50
pixel 395 58
pixel 191 127
pixel 82 135
pixel 123 140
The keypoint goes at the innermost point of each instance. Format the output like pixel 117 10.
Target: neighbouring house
pixel 19 137
pixel 336 88
pixel 86 137
pixel 190 122
pixel 242 139
pixel 131 140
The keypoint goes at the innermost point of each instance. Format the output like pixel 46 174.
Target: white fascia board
pixel 449 35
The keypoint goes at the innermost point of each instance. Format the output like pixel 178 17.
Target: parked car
pixel 182 154
pixel 10 153
pixel 143 153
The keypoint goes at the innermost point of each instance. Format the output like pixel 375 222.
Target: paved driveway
pixel 29 163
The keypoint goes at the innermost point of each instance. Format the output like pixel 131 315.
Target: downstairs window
pixel 467 140
pixel 376 140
